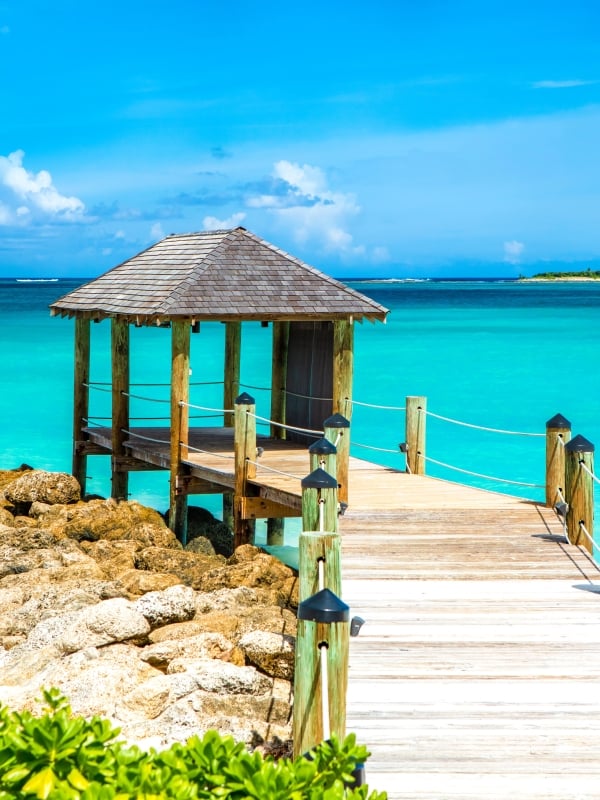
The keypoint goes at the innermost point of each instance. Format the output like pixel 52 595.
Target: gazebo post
pixel 343 368
pixel 281 337
pixel 81 396
pixel 120 404
pixel 231 389
pixel 180 393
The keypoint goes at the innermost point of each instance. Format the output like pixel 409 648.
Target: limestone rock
pixel 6 518
pixel 110 621
pixel 271 653
pixel 200 545
pixel 189 567
pixel 204 645
pixel 202 523
pixel 175 604
pixel 221 677
pixel 150 698
pixel 45 487
pixel 251 567
pixel 138 582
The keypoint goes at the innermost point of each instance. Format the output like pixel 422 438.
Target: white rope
pixel 373 405
pixel 308 396
pixel 207 452
pixel 337 439
pixel 272 469
pixel 324 692
pixel 479 475
pixel 145 438
pixel 98 388
pixel 481 427
pixel 586 532
pixel 321 567
pixel 379 449
pixel 141 397
pixel 585 468
pixel 321 516
pixel 182 403
pixel 287 427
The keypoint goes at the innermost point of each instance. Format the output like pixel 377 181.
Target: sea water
pixel 498 354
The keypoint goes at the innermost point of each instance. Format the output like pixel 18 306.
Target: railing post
pixel 180 395
pixel 321 674
pixel 579 490
pixel 558 433
pixel 244 446
pixel 120 404
pixel 416 416
pixel 337 431
pixel 81 399
pixel 323 453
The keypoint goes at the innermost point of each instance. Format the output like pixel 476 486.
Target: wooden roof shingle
pixel 216 275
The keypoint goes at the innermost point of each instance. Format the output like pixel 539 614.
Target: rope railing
pixel 255 388
pixel 481 427
pixel 585 468
pixel 379 449
pixel 142 397
pixel 228 456
pixel 260 465
pixel 145 438
pixel 295 428
pixel 480 475
pixel 373 405
pixel 183 403
pixel 306 396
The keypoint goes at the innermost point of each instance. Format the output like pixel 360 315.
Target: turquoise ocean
pixel 497 353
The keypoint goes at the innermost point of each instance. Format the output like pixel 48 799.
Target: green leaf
pixel 40 784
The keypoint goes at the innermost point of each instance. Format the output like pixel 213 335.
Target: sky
pixel 406 138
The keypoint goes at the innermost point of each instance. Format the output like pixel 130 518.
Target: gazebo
pixel 230 276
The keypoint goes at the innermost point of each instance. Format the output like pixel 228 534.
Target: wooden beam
pixel 131 464
pixel 81 395
pixel 261 508
pixel 120 400
pixel 231 377
pixel 343 371
pixel 191 484
pixel 180 392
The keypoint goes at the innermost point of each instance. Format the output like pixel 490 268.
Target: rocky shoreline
pixel 99 599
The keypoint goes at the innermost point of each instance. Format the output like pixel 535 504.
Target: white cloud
pixel 215 224
pixel 513 251
pixel 37 190
pixel 312 211
pixel 156 232
pixel 569 84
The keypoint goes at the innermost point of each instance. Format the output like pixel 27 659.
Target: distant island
pixel 583 275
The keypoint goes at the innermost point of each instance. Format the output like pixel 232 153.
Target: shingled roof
pixel 216 275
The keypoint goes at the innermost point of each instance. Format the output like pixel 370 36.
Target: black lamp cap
pixel 336 421
pixel 558 421
pixel 324 606
pixel 579 444
pixel 245 400
pixel 319 479
pixel 322 447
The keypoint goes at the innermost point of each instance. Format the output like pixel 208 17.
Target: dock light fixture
pixel 403 447
pixel 356 624
pixel 561 509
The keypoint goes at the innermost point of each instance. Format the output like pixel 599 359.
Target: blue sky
pixel 384 138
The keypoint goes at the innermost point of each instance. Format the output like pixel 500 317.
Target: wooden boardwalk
pixel 476 674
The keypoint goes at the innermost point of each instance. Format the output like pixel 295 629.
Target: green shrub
pixel 58 756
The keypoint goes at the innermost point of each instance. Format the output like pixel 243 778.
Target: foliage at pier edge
pixel 58 756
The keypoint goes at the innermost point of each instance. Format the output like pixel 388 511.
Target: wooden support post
pixel 416 408
pixel 579 491
pixel 180 393
pixel 558 433
pixel 337 431
pixel 231 389
pixel 81 395
pixel 120 403
pixel 343 366
pixel 281 336
pixel 323 453
pixel 244 444
pixel 321 647
pixel 319 502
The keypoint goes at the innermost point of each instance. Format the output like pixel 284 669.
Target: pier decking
pixel 476 673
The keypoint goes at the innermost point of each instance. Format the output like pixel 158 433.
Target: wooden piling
pixel 416 408
pixel 120 404
pixel 280 345
pixel 244 445
pixel 81 394
pixel 558 433
pixel 343 373
pixel 231 389
pixel 322 624
pixel 180 393
pixel 319 502
pixel 337 431
pixel 579 490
